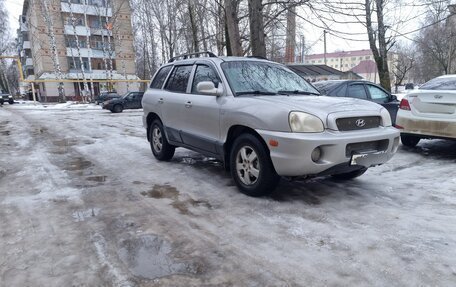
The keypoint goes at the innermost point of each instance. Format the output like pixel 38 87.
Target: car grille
pixel 363 147
pixel 357 123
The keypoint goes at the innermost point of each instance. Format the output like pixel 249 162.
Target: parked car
pixel 429 112
pixel 362 90
pixel 131 100
pixel 263 121
pixel 6 98
pixel 103 97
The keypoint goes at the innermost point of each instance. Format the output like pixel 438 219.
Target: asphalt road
pixel 84 203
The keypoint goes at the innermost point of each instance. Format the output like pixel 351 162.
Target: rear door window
pixel 160 78
pixel 357 91
pixel 179 79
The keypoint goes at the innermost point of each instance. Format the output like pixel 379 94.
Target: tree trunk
pixel 257 28
pixel 380 53
pixel 232 28
pixel 54 53
pixel 291 35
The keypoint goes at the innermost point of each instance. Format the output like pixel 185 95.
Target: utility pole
pixel 324 43
pixel 303 45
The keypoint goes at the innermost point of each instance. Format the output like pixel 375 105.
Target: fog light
pixel 316 154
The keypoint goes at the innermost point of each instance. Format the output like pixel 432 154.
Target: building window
pixel 367 57
pixel 75 63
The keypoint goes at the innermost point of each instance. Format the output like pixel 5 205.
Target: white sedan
pixel 429 112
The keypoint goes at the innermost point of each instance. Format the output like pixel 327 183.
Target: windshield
pixel 447 83
pixel 251 77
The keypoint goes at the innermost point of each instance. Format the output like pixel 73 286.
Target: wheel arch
pixel 233 132
pixel 150 118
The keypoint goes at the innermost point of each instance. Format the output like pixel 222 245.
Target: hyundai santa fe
pixel 263 121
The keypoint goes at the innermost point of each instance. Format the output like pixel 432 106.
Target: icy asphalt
pixel 84 203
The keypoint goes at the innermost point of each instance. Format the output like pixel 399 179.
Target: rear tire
pixel 159 145
pixel 251 166
pixel 410 141
pixel 11 102
pixel 350 175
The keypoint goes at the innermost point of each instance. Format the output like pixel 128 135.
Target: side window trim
pixel 194 74
pixel 190 79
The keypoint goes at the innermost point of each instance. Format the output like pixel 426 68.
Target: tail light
pixel 404 105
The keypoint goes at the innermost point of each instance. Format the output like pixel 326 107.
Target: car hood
pixel 321 106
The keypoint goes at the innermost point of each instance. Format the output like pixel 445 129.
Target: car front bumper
pixel 408 123
pixel 352 149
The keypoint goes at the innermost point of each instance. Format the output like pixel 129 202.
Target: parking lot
pixel 84 203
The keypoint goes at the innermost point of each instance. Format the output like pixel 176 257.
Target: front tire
pixel 350 175
pixel 251 166
pixel 410 141
pixel 117 109
pixel 161 149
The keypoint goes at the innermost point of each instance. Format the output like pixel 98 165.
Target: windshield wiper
pixel 256 93
pixel 296 92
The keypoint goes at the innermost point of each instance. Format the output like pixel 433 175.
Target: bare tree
pixel 46 13
pixel 403 64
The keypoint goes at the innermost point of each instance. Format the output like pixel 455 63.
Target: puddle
pixel 162 191
pixel 77 164
pixel 65 142
pixel 150 257
pixel 39 131
pixel 82 215
pixel 5 133
pixel 183 206
pixel 97 178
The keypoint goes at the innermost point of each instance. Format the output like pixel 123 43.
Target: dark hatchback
pixel 362 90
pixel 130 100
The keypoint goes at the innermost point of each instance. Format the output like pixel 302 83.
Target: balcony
pixel 28 62
pixel 100 32
pixel 26 45
pixel 80 30
pixel 73 52
pixel 94 10
pixel 24 27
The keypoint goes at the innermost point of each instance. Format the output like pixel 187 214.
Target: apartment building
pixel 93 39
pixel 360 62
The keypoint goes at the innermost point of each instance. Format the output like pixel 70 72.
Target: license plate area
pixel 368 159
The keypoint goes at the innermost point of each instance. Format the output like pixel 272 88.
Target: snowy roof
pixel 341 54
pixel 365 67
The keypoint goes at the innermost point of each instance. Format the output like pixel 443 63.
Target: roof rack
pixel 192 55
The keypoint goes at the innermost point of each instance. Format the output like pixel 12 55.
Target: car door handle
pixel 160 101
pixel 188 104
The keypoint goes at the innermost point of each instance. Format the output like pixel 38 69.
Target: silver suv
pixel 263 121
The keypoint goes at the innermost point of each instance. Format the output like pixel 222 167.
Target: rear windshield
pixel 440 84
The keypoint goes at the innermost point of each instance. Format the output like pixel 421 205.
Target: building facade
pixel 360 62
pixel 93 42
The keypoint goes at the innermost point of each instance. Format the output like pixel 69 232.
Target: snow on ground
pixel 83 202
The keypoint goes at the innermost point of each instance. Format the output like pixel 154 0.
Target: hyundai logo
pixel 438 96
pixel 360 123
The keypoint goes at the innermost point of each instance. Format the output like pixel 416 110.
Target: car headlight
pixel 301 122
pixel 386 117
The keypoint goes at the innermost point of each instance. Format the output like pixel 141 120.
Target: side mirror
pixel 393 98
pixel 208 88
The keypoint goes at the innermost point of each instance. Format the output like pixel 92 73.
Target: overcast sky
pixel 313 35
